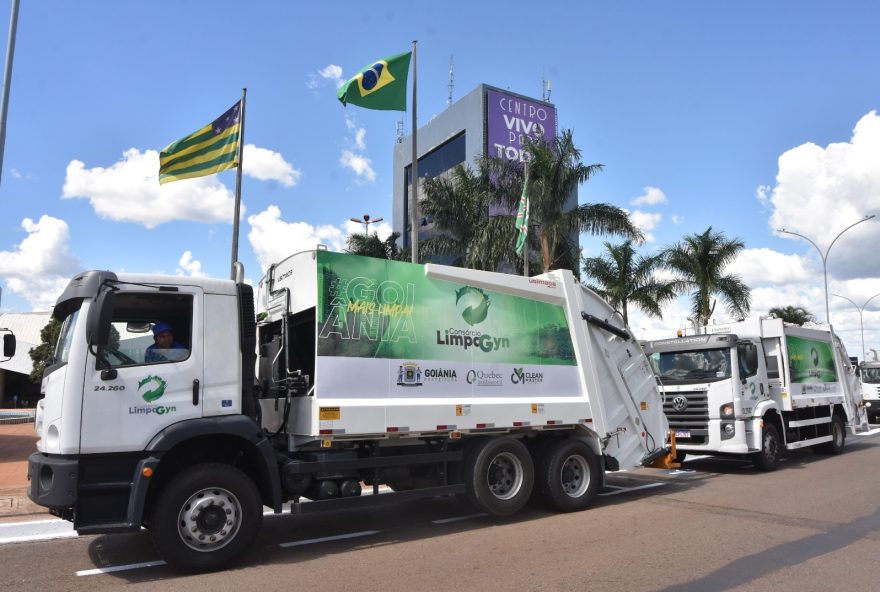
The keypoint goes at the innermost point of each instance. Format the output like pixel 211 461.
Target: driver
pixel 164 348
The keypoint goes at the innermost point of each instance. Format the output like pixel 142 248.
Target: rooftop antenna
pixel 451 81
pixel 546 88
pixel 400 131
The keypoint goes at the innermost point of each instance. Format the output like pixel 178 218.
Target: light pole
pixel 825 257
pixel 366 222
pixel 861 309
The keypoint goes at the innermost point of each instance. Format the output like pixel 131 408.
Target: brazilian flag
pixel 381 85
pixel 210 149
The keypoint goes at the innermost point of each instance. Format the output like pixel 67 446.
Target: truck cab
pixel 870 375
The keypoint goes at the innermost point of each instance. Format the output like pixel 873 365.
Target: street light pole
pixel 824 257
pixel 861 310
pixel 366 222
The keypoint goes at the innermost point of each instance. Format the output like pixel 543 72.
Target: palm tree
pixel 797 315
pixel 699 262
pixel 458 206
pixel 623 278
pixel 370 245
pixel 555 171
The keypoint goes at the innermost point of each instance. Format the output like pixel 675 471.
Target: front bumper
pixel 53 481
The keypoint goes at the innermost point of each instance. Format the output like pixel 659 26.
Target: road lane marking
pixel 115 568
pixel 458 518
pixel 337 537
pixel 628 489
pixel 870 433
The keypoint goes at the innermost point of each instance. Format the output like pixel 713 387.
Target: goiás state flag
pixel 210 149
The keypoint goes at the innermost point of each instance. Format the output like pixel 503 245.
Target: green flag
pixel 210 149
pixel 381 85
pixel 522 216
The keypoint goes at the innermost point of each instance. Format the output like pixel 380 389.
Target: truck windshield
pixel 871 375
pixel 65 338
pixel 700 365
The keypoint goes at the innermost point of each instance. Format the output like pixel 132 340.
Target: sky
pixel 744 116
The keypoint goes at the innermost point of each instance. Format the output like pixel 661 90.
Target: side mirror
pixel 8 345
pixel 100 315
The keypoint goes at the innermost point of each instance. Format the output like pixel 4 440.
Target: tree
pixel 797 315
pixel 370 245
pixel 458 206
pixel 555 171
pixel 622 278
pixel 699 262
pixel 44 354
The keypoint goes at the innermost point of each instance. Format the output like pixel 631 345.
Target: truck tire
pixel 838 438
pixel 206 517
pixel 499 475
pixel 768 458
pixel 568 476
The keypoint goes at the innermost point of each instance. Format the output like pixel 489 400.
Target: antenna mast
pixel 400 131
pixel 546 89
pixel 451 81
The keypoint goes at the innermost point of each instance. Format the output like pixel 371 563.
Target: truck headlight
pixel 726 410
pixel 728 430
pixel 867 403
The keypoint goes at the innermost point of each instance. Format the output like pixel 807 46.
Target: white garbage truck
pixel 172 406
pixel 758 387
pixel 869 372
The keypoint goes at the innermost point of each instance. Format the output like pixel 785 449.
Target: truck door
pixel 143 380
pixel 752 375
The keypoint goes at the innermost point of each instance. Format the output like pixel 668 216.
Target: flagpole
pixel 238 186
pixel 414 198
pixel 7 79
pixel 526 243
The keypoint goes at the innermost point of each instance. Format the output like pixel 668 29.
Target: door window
pixel 148 329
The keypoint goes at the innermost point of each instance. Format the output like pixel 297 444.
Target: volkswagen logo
pixel 680 403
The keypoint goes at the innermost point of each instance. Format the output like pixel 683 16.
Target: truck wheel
pixel 771 448
pixel 499 475
pixel 838 438
pixel 207 517
pixel 568 476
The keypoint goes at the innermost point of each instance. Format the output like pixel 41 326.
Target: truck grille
pixel 693 417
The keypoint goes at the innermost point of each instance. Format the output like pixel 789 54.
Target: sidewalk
pixel 17 442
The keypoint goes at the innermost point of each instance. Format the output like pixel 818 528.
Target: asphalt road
pixel 718 525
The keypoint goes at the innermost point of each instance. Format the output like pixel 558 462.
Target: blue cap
pixel 160 327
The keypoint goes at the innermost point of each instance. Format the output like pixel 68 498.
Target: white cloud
pixel 646 222
pixel 274 239
pixel 652 197
pixel 129 191
pixel 330 72
pixel 41 265
pixel 358 163
pixel 676 219
pixel 189 266
pixel 820 191
pixel 359 138
pixel 766 266
pixel 266 165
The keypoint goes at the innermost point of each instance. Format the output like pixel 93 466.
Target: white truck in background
pixel 758 387
pixel 355 372
pixel 869 372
